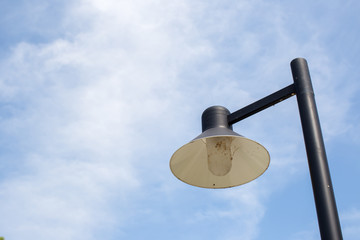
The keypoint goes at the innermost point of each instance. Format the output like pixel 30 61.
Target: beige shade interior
pixel 219 161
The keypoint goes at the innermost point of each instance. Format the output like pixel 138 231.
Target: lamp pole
pixel 213 137
pixel 328 218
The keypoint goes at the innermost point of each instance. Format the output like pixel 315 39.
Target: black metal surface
pixel 328 218
pixel 215 116
pixel 262 104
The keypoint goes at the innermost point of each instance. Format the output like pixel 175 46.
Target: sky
pixel 96 96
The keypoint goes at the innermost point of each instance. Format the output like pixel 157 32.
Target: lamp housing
pixel 219 157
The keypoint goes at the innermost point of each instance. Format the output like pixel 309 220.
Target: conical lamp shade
pixel 219 158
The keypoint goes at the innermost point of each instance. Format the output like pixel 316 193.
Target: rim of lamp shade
pixel 198 162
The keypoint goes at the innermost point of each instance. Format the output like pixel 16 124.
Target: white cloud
pixel 86 110
pixel 76 109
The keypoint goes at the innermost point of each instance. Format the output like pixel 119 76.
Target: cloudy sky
pixel 96 95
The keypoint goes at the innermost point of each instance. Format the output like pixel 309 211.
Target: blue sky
pixel 95 96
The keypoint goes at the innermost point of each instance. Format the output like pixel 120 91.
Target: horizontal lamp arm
pixel 261 104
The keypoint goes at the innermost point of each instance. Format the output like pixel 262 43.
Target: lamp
pixel 219 157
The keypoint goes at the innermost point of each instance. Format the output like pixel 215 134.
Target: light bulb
pixel 219 155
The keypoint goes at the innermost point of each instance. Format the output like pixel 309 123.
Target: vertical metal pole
pixel 328 218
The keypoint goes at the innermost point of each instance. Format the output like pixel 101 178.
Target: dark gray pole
pixel 328 218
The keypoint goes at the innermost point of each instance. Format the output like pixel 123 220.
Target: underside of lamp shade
pixel 219 158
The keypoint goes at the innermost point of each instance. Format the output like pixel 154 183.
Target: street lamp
pixel 221 158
